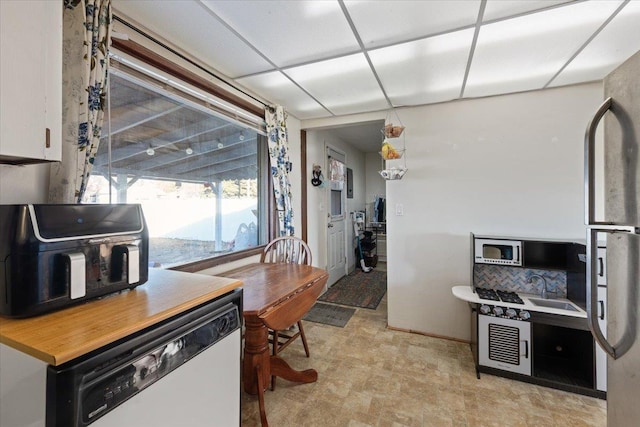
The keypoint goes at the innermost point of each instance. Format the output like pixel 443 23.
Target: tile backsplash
pixel 516 279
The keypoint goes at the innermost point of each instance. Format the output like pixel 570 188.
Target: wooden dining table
pixel 275 296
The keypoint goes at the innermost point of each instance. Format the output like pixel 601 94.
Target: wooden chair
pixel 287 249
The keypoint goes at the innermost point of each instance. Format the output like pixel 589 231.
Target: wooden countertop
pixel 63 335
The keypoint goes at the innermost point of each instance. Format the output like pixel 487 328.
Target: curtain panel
pixel 86 34
pixel 276 119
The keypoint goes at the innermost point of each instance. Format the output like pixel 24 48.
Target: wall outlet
pixel 399 209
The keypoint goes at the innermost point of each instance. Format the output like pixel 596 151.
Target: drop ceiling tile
pixel 381 23
pixel 278 89
pixel 524 53
pixel 189 26
pixel 344 85
pixel 290 32
pixel 497 9
pixel 424 71
pixel 613 45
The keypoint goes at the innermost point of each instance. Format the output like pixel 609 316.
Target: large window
pixel 197 172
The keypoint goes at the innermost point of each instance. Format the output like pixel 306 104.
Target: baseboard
pixel 427 334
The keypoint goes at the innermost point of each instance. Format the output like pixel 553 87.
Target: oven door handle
pixel 526 349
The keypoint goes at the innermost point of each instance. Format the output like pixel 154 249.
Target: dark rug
pixel 358 289
pixel 329 314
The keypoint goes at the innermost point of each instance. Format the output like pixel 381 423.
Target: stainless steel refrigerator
pixel 621 228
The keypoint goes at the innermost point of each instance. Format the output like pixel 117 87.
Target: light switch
pixel 399 209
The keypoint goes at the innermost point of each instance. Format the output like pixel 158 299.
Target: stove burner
pixel 504 296
pixel 487 294
pixel 511 297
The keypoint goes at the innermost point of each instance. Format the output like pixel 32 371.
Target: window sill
pixel 203 264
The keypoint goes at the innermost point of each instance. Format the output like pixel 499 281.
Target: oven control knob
pixel 485 309
pixel 525 315
pixel 511 313
pixel 498 311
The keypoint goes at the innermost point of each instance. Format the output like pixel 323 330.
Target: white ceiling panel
pixel 425 71
pixel 189 26
pixel 344 85
pixel 617 42
pixel 524 53
pixel 282 91
pixel 380 23
pixel 498 9
pixel 365 136
pixel 305 55
pixel 290 32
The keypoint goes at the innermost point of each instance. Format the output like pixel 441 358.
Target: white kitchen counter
pixel 465 293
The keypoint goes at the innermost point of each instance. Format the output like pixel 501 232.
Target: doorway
pixel 359 143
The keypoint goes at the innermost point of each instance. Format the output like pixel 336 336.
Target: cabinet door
pixel 30 80
pixel 601 356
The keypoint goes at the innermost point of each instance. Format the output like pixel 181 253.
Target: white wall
pixel 507 165
pixel 24 184
pixel 317 203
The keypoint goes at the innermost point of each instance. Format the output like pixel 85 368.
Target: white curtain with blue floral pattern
pixel 86 35
pixel 276 118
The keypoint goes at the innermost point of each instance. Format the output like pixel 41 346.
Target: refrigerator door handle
pixel 615 351
pixel 593 228
pixel 592 294
pixel 589 176
pixel 590 162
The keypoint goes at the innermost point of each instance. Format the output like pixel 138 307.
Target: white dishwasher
pixel 203 392
pixel 184 371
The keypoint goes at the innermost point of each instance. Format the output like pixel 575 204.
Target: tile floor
pixel 369 375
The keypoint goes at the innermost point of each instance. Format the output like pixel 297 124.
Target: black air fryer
pixel 52 256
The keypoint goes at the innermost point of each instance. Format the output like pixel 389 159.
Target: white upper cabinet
pixel 30 81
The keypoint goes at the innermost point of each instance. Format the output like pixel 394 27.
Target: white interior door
pixel 336 224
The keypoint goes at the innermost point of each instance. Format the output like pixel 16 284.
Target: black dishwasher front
pixel 84 390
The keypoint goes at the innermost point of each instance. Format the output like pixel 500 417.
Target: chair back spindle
pixel 287 249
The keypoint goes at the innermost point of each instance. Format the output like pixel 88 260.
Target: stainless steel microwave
pixel 498 251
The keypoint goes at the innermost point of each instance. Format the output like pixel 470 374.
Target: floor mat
pixel 329 314
pixel 358 289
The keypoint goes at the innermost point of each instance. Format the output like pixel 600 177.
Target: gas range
pixel 504 296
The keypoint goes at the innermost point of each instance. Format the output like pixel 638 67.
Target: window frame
pixel 155 60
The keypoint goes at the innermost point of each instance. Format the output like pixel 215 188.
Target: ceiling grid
pixel 332 58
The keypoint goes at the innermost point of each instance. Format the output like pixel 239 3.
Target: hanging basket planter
pixel 389 152
pixel 391 155
pixel 393 173
pixel 391 131
pixel 394 163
